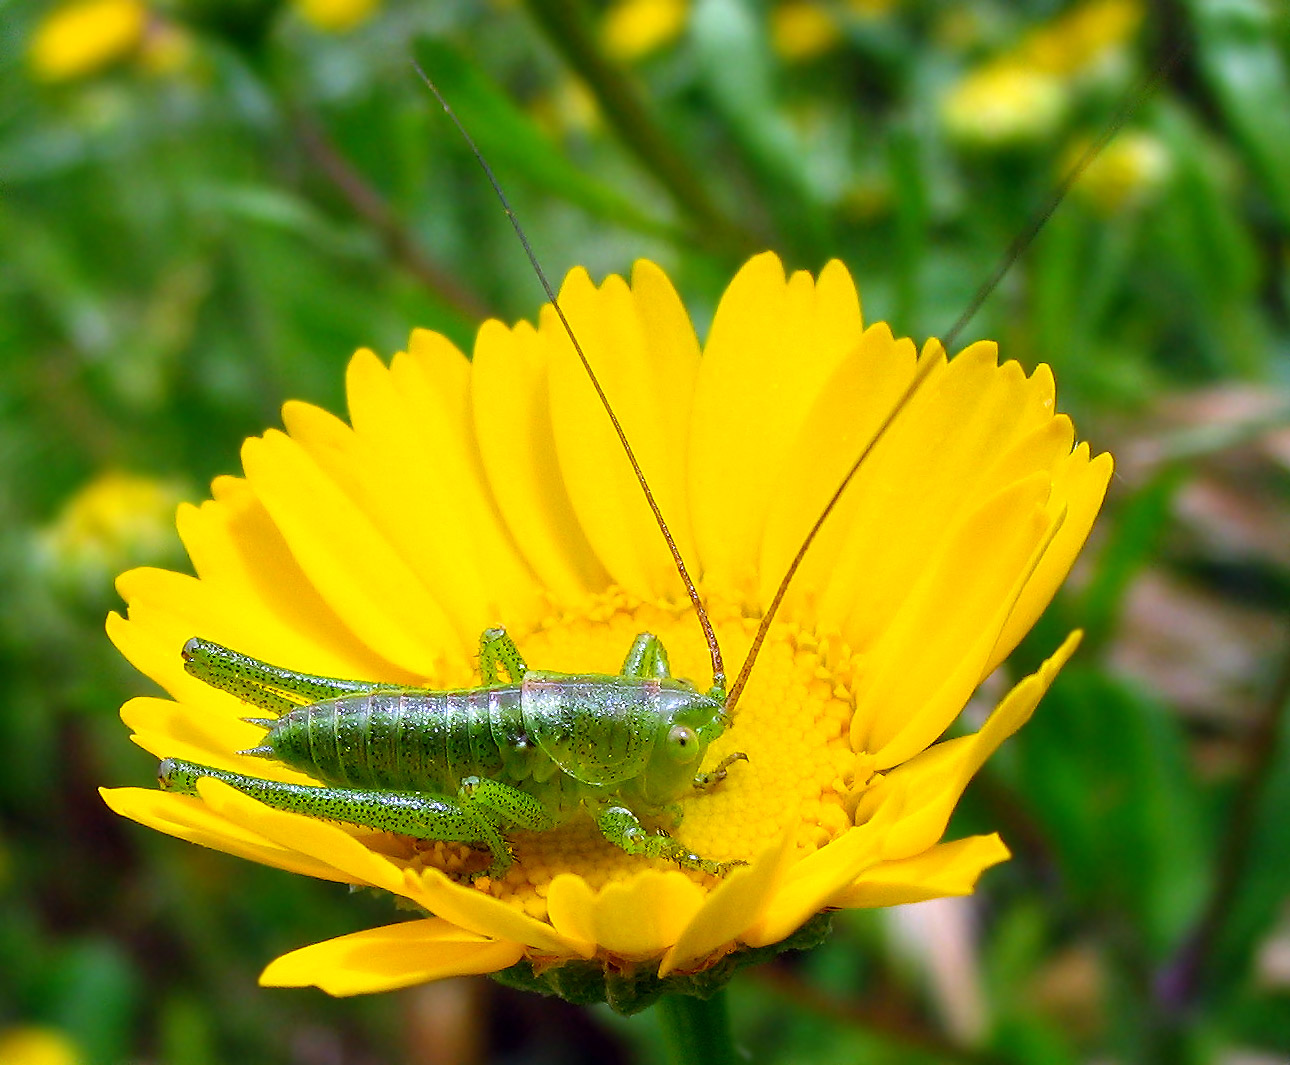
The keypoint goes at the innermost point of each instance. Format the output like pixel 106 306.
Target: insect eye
pixel 683 741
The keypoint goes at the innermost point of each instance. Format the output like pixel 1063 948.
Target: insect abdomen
pixel 401 740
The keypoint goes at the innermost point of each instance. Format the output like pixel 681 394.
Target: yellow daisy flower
pixel 1127 173
pixel 82 37
pixel 1004 102
pixel 468 493
pixel 32 1045
pixel 803 29
pixel 633 29
pixel 117 519
pixel 1024 93
pixel 1082 39
pixel 336 16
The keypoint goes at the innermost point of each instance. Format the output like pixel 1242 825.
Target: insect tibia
pixel 262 751
pixel 262 722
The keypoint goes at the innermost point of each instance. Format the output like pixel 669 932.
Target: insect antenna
pixel 714 650
pixel 1132 101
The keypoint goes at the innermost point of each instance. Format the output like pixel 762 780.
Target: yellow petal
pixel 945 869
pixel 936 463
pixel 351 563
pixel 634 919
pixel 151 640
pixel 172 730
pixel 512 419
pixel 238 553
pixel 934 780
pixel 472 909
pixel 394 956
pixel 213 735
pixel 637 370
pixel 1081 484
pixel 732 907
pixel 401 415
pixel 749 407
pixel 821 875
pixel 929 659
pixel 323 841
pixel 187 817
pixel 843 419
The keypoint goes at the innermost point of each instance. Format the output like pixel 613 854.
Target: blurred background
pixel 207 205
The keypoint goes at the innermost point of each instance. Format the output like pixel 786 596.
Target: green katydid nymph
pixel 530 751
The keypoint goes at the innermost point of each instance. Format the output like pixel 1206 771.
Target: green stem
pixel 697 1030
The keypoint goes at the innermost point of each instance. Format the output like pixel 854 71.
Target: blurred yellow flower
pixel 1024 93
pixel 1004 103
pixel 634 28
pixel 336 16
pixel 871 8
pixel 473 492
pixel 116 520
pixel 569 107
pixel 81 38
pixel 30 1045
pixel 803 29
pixel 1126 173
pixel 1082 39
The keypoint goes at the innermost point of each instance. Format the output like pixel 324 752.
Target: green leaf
pixel 1103 767
pixel 1246 71
pixel 735 65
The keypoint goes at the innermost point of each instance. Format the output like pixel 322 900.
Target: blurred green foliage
pixel 190 242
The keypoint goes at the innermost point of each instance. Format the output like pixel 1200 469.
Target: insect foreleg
pixel 647 658
pixel 710 779
pixel 498 649
pixel 418 814
pixel 623 829
pixel 277 690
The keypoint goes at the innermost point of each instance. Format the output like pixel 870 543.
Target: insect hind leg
pixel 418 814
pixel 271 688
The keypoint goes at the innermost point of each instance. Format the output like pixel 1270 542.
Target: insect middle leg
pixel 623 829
pixel 271 688
pixel 496 648
pixel 647 658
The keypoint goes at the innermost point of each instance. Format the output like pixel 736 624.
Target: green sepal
pixel 637 987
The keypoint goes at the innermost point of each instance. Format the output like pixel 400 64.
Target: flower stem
pixel 697 1030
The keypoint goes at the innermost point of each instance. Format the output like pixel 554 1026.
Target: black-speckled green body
pixel 558 737
pixel 471 764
